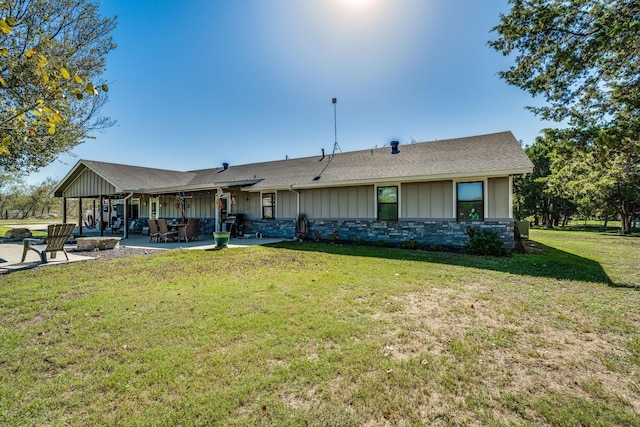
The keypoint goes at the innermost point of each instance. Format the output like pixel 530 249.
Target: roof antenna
pixel 334 101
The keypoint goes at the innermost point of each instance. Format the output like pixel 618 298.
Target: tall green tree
pixel 537 195
pixel 581 55
pixel 583 58
pixel 52 56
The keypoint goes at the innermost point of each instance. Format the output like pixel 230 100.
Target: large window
pixel 388 203
pixel 470 203
pixel 268 205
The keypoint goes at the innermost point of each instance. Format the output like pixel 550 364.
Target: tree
pixel 582 56
pixel 590 168
pixel 52 52
pixel 537 194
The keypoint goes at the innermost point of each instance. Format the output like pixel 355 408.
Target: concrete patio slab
pixel 11 252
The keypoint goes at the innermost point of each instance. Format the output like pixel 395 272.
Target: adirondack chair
pixel 57 235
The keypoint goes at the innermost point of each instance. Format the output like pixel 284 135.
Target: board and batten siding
pixel 427 200
pixel 202 205
pixel 498 195
pixel 340 202
pixel 286 204
pixel 89 184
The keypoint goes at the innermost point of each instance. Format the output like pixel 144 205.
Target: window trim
pixel 483 201
pixel 273 204
pixel 397 202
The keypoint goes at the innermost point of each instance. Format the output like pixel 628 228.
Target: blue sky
pixel 197 83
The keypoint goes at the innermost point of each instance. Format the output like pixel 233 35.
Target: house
pixel 429 191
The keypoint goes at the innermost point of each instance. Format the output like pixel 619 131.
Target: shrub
pixel 382 243
pixel 359 241
pixel 409 244
pixel 317 236
pixel 484 242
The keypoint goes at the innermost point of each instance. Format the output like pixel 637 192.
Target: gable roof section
pixel 497 154
pixel 120 178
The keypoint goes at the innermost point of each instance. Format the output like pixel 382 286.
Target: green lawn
pixel 35 233
pixel 320 334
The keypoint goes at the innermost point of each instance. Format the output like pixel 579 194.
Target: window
pixel 387 203
pixel 470 203
pixel 268 205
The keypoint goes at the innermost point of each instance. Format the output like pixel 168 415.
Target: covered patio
pixel 11 251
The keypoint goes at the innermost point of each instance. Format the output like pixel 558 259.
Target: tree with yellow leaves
pixel 52 56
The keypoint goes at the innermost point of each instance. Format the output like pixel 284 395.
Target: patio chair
pixel 154 233
pixel 193 229
pixel 57 236
pixel 164 231
pixel 182 233
pixel 116 226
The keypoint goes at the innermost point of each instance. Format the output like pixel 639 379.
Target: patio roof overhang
pixel 198 187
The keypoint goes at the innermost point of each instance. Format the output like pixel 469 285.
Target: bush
pixel 382 243
pixel 484 242
pixel 409 244
pixel 359 241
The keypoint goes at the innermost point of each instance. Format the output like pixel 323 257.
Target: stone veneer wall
pixel 429 232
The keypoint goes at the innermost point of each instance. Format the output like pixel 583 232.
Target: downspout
pixel 125 233
pixel 297 201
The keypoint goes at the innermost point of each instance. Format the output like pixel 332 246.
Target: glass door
pixel 154 207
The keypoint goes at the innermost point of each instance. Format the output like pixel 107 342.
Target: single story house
pixel 428 191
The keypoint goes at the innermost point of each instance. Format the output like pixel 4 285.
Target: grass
pixel 321 334
pixel 6 225
pixel 34 233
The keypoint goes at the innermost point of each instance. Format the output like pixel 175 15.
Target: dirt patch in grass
pixel 508 349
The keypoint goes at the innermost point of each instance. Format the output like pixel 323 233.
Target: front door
pixel 154 206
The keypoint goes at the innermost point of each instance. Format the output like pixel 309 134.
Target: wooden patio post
pixel 64 209
pixel 80 215
pixel 101 222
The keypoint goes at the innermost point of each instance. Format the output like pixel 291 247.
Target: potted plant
pixel 221 238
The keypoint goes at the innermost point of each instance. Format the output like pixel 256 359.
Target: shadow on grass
pixel 553 264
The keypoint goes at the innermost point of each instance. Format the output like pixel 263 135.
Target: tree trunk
pixel 625 217
pixel 625 224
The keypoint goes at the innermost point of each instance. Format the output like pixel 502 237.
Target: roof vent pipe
pixel 322 155
pixel 225 166
pixel 394 147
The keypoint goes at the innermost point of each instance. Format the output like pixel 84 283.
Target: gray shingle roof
pixel 133 178
pixel 475 156
pixel 493 154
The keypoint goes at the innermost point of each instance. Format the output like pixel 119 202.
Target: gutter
pixel 388 180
